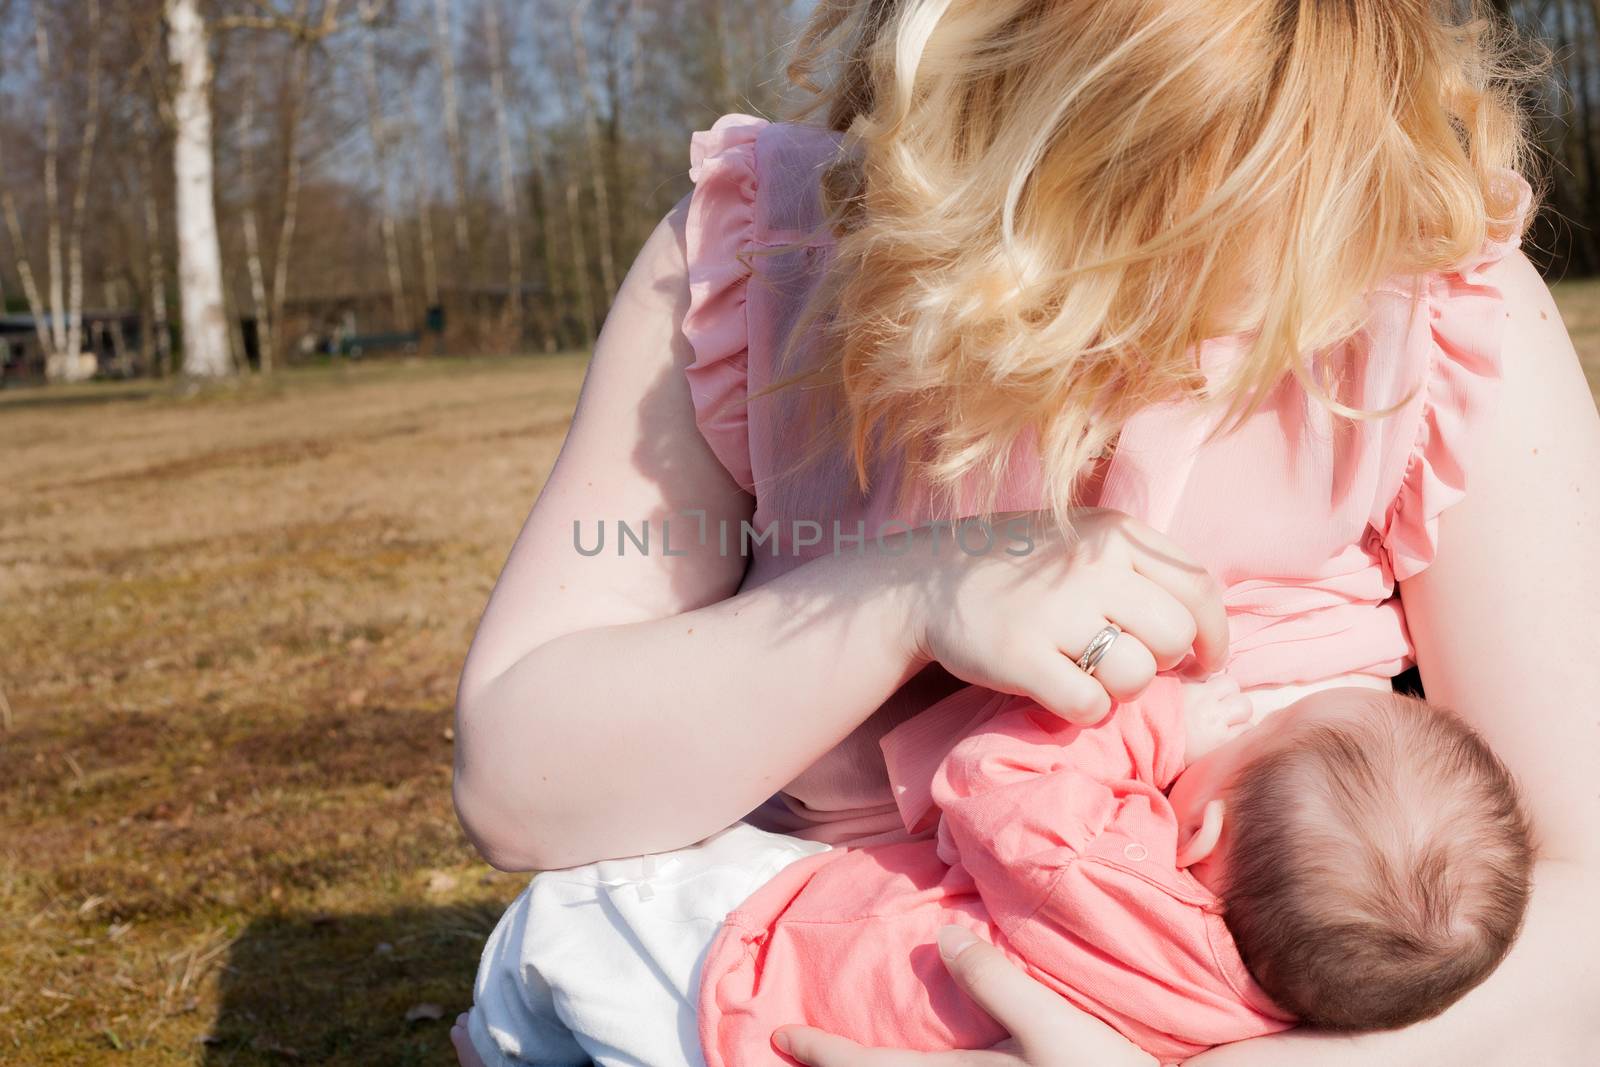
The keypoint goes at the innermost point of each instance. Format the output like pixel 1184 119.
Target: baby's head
pixel 1370 852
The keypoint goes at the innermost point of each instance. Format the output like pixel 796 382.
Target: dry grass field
pixel 230 625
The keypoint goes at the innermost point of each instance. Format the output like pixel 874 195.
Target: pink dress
pixel 1057 844
pixel 1308 519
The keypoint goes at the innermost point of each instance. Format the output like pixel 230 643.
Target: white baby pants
pixel 602 963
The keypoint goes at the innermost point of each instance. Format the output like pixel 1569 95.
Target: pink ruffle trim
pixel 719 228
pixel 1467 326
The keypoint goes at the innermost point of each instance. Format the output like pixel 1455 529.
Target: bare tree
pixel 80 192
pixel 293 103
pixel 444 46
pixel 30 282
pixel 580 264
pixel 265 314
pixel 205 327
pixel 52 187
pixel 508 186
pixel 591 133
pixel 379 133
pixel 155 258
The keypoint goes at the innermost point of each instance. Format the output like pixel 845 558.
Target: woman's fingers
pixel 815 1048
pixel 1046 1027
pixel 818 1049
pixel 1050 677
pixel 1023 1007
pixel 1123 670
pixel 1157 618
pixel 1168 566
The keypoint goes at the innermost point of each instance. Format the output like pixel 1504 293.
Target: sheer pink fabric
pixel 1307 518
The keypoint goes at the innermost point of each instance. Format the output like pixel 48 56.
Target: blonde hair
pixel 1044 206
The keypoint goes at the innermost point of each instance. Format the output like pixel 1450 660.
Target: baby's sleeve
pixel 719 232
pixel 1461 349
pixel 1027 794
pixel 1073 852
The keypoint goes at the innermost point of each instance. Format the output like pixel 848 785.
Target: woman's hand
pixel 1016 621
pixel 1046 1030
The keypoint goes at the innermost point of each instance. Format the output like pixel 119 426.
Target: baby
pixel 1357 861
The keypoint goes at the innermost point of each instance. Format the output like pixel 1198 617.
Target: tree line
pixel 248 178
pixel 214 185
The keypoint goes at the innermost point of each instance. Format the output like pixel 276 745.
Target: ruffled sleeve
pixel 1465 331
pixel 719 229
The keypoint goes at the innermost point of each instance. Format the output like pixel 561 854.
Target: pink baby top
pixel 1056 843
pixel 1308 519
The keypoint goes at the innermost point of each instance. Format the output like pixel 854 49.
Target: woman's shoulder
pixel 1445 343
pixel 764 174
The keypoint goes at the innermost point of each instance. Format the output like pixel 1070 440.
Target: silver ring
pixel 1099 645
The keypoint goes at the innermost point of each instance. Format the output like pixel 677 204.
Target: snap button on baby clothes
pixel 1135 852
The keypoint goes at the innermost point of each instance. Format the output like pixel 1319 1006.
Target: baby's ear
pixel 1204 840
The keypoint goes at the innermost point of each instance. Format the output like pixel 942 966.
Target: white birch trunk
pixel 205 328
pixel 30 283
pixel 80 193
pixel 57 325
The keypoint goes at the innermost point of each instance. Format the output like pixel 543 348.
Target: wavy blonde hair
pixel 1043 206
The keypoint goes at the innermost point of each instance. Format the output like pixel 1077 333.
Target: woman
pixel 1113 185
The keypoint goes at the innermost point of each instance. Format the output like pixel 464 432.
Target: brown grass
pixel 1579 302
pixel 231 629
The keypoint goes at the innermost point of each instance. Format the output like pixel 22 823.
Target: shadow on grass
pixel 338 989
pixel 58 396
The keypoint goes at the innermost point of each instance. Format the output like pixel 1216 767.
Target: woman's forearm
pixel 636 738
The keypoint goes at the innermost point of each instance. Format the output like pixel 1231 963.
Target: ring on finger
pixel 1097 648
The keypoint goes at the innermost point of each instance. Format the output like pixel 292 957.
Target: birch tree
pixel 57 308
pixel 80 192
pixel 52 189
pixel 205 326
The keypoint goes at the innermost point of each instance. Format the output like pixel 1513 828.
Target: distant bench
pixel 357 345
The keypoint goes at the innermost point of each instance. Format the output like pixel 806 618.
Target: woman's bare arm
pixel 1506 624
pixel 1507 620
pixel 613 706
pixel 621 704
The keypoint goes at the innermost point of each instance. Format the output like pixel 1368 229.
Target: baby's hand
pixel 1214 712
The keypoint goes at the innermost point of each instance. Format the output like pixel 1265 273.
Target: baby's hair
pixel 1377 869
